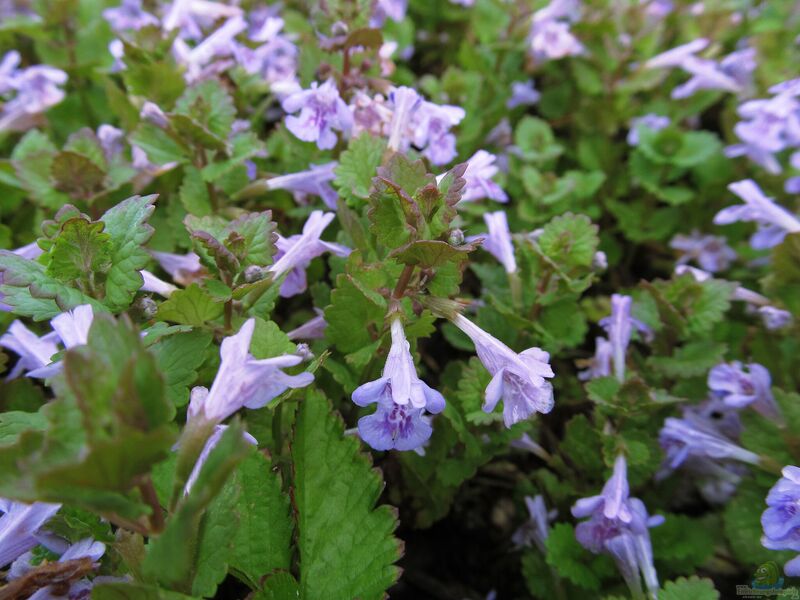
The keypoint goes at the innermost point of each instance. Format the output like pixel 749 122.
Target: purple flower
pixel 553 40
pixel 619 326
pixel 314 182
pixel 523 93
pixel 192 16
pixel 129 15
pixel 424 124
pixel 243 381
pixel 210 444
pixel 676 56
pixel 498 241
pixel 19 525
pixel 183 268
pixel 738 387
pixel 478 176
pixel 600 364
pixel 200 60
pixel 537 528
pixel 774 221
pixel 387 9
pixel 781 520
pixel 296 252
pixel 371 114
pixel 34 352
pixel 775 318
pixel 401 397
pixel 711 252
pixel 618 525
pixel 649 121
pixel 8 69
pixel 37 89
pixel 310 330
pixel 151 283
pixel 516 378
pixel 321 112
pixel 72 328
pixel 692 437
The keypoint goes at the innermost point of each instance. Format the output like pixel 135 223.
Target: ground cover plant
pixel 351 298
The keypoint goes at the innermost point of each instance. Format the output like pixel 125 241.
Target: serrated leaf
pixel 428 254
pixel 339 529
pixel 194 193
pixel 269 340
pixel 209 104
pixel 572 561
pixel 32 158
pixel 126 223
pixel 192 306
pixel 694 587
pixel 77 175
pixel 263 540
pixel 349 316
pixel 82 252
pixel 179 357
pixel 357 166
pixel 159 147
pixel 570 241
pixel 692 360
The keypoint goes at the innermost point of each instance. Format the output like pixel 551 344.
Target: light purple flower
pixel 523 93
pixel 691 437
pixel 203 60
pixel 8 69
pixel 553 40
pixel 129 16
pixel 19 526
pixel 151 283
pixel 243 381
pixel 424 124
pixel 519 379
pixel 34 352
pixel 387 9
pixel 618 525
pixel 775 318
pixel 192 16
pixel 711 252
pixel 296 252
pixel 313 329
pixel 72 328
pixel 498 240
pixel 316 181
pixel 676 56
pixel 401 397
pixel 183 268
pixel 649 121
pixel 321 112
pixel 600 364
pixel 210 444
pixel 619 326
pixel 739 386
pixel 774 220
pixel 781 520
pixel 478 176
pixel 37 89
pixel 275 59
pixel 537 528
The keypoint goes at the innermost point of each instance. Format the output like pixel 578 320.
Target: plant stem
pixel 402 282
pixel 149 495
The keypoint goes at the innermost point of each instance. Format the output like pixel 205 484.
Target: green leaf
pixel 339 529
pixel 133 591
pixel 692 360
pixel 263 540
pixel 429 254
pixel 32 159
pixel 258 232
pixel 572 561
pixel 682 542
pixel 12 423
pixel 192 306
pixel 126 223
pixel 33 293
pixel 357 166
pixel 535 140
pixel 81 251
pixel 350 315
pixel 194 193
pixel 173 558
pixel 278 586
pixel 209 104
pixel 160 148
pixel 570 241
pixel 269 340
pixel 694 587
pixel 179 357
pixel 582 445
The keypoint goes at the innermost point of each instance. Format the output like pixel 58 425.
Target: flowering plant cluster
pixel 538 261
